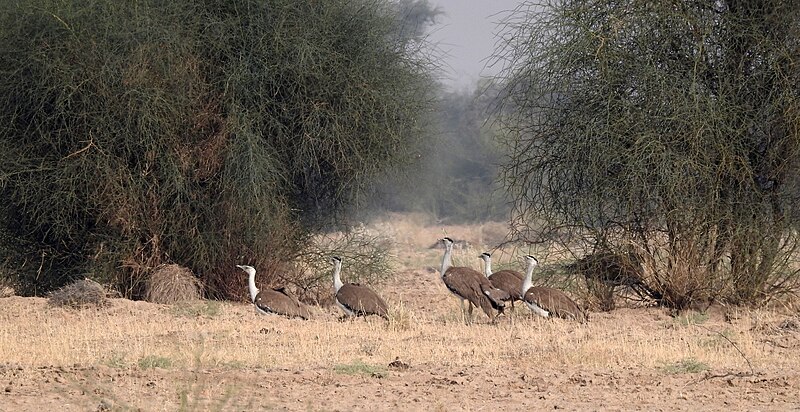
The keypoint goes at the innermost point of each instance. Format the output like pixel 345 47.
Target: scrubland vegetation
pixel 646 152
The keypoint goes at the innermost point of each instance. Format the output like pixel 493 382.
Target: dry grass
pixel 424 327
pixel 126 332
pixel 170 284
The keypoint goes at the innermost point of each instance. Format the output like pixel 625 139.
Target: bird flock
pixel 490 291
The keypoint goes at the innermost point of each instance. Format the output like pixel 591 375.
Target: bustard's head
pixel 336 259
pixel 485 256
pixel 531 260
pixel 248 269
pixel 447 242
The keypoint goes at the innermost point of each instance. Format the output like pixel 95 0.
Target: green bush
pixel 199 133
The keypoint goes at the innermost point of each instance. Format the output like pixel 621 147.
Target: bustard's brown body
pixel 356 299
pixel 548 302
pixel 509 281
pixel 278 301
pixel 468 284
pixel 274 301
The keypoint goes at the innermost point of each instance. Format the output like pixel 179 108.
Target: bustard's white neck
pixel 447 259
pixel 337 268
pixel 487 260
pixel 526 284
pixel 251 281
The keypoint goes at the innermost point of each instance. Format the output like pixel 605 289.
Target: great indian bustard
pixel 468 284
pixel 355 299
pixel 509 281
pixel 548 302
pixel 273 301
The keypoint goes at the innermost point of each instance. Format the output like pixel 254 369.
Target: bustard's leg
pixel 471 307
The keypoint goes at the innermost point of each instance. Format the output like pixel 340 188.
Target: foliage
pixel 79 294
pixel 205 308
pixel 193 132
pixel 358 367
pixel 670 129
pixel 692 318
pixel 688 365
pixel 152 361
pixel 116 360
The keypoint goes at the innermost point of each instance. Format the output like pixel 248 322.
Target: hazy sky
pixel 466 33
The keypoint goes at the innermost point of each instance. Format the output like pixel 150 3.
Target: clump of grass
pixel 721 339
pixel 357 367
pixel 187 309
pixel 234 364
pixel 692 318
pixel 172 283
pixel 152 361
pixel 400 319
pixel 688 365
pixel 80 294
pixel 117 360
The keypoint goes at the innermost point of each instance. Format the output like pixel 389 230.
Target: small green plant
pixel 195 309
pixel 152 361
pixel 357 367
pixel 233 364
pixel 116 360
pixel 721 339
pixel 688 365
pixel 692 318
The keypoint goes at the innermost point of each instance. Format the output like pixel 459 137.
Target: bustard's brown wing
pixel 469 284
pixel 556 302
pixel 276 301
pixel 302 309
pixel 509 281
pixel 362 300
pixel 497 296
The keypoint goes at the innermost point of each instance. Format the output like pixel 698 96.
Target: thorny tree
pixel 665 131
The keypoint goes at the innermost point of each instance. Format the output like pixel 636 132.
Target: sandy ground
pixel 223 356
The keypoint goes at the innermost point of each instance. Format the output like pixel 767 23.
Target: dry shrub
pixel 6 291
pixel 171 284
pixel 606 271
pixel 366 259
pixel 79 294
pixel 6 286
